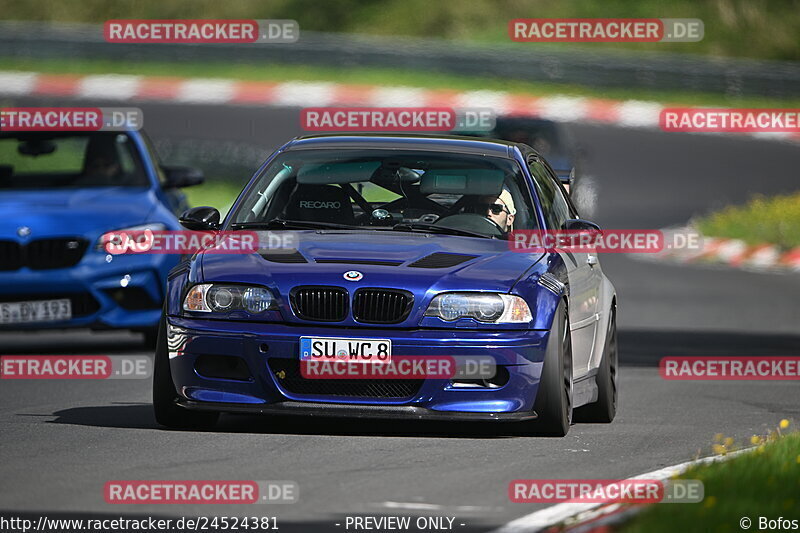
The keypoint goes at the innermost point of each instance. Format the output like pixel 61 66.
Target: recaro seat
pixel 320 203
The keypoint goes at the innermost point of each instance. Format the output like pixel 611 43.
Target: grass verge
pixel 747 28
pixel 378 76
pixel 774 220
pixel 217 194
pixel 765 483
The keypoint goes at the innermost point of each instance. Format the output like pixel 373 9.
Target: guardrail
pixel 735 77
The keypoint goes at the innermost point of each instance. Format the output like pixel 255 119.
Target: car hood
pixel 72 212
pixel 419 262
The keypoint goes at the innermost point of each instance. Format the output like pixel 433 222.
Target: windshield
pixel 69 160
pixel 378 189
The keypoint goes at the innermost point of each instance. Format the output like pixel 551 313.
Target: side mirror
pixel 182 177
pixel 200 219
pixel 578 224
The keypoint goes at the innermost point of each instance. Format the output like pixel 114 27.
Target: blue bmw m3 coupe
pixel 400 248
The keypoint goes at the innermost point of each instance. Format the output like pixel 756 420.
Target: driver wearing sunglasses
pixel 499 210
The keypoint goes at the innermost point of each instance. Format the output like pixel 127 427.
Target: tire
pixel 554 398
pixel 166 410
pixel 605 408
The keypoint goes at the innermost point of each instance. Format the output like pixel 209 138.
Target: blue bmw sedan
pixel 60 192
pixel 399 248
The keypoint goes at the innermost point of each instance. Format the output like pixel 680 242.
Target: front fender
pixel 543 299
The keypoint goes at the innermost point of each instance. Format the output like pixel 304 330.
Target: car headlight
pixel 113 237
pixel 483 307
pixel 221 298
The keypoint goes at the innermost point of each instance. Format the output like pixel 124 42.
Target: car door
pixel 584 280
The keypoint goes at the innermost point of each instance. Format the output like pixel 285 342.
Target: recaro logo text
pixel 307 204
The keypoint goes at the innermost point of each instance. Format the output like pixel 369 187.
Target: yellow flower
pixel 755 439
pixel 718 437
pixel 784 424
pixel 719 449
pixel 729 442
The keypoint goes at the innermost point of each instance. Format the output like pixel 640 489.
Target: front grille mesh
pixel 287 373
pixel 327 304
pixel 381 306
pixel 42 254
pixel 10 255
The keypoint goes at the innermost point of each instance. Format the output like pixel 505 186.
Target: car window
pixel 349 186
pixel 69 160
pixel 561 192
pixel 160 175
pixel 554 204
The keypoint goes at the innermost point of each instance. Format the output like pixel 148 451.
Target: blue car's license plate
pixel 345 349
pixel 35 311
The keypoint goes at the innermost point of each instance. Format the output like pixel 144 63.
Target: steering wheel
pixel 472 222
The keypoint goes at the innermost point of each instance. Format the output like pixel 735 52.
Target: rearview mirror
pixel 182 177
pixel 36 148
pixel 200 219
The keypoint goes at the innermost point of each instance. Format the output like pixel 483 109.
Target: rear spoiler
pixel 566 177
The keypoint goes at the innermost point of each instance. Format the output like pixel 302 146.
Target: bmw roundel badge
pixel 353 275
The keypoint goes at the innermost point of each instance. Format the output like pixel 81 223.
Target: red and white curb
pixel 585 516
pixel 731 252
pixel 627 113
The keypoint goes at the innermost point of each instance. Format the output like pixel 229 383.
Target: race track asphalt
pixel 60 441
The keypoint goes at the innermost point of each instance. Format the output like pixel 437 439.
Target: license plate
pixel 345 349
pixel 38 311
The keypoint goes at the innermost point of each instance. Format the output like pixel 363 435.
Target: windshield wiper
pixel 280 223
pixel 439 229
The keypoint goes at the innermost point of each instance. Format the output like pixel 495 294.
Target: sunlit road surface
pixel 62 440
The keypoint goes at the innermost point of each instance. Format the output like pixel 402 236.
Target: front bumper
pixel 125 292
pixel 328 410
pixel 263 347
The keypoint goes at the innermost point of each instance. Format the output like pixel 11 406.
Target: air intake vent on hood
pixel 283 257
pixel 441 260
pixel 374 262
